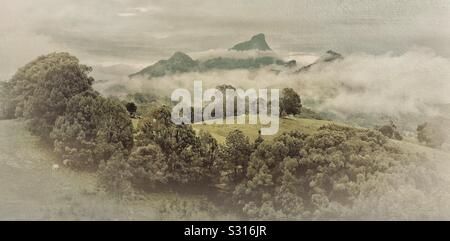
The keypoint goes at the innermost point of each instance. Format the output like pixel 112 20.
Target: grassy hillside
pixel 286 124
pixel 31 190
pixel 308 126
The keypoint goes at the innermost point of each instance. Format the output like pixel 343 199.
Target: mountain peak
pixel 259 36
pixel 179 62
pixel 328 57
pixel 180 56
pixel 257 42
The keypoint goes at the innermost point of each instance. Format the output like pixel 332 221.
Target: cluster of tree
pixel 293 176
pixel 173 156
pixel 54 94
pixel 290 102
pixel 297 175
pixel 165 156
pixel 41 89
pixel 432 134
pixel 92 129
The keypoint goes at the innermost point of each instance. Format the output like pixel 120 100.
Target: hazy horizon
pixel 140 32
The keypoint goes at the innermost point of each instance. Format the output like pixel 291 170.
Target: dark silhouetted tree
pixel 131 108
pixel 290 102
pixel 390 131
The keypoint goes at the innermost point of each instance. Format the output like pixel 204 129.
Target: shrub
pixel 131 108
pixel 298 175
pixel 390 131
pixel 188 156
pixel 91 130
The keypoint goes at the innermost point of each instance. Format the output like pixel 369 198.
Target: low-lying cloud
pixel 391 84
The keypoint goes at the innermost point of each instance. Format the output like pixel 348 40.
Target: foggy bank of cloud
pixel 391 84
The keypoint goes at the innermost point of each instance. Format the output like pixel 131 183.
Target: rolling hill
pixel 309 126
pixel 182 63
pixel 286 124
pixel 32 190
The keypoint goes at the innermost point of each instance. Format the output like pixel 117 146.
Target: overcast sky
pixel 138 31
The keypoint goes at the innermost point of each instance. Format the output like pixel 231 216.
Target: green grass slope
pixel 440 157
pixel 220 132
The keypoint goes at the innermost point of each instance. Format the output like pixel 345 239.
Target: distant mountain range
pixel 183 63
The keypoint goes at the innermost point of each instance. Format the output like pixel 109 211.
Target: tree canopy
pixel 290 102
pixel 92 129
pixel 42 88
